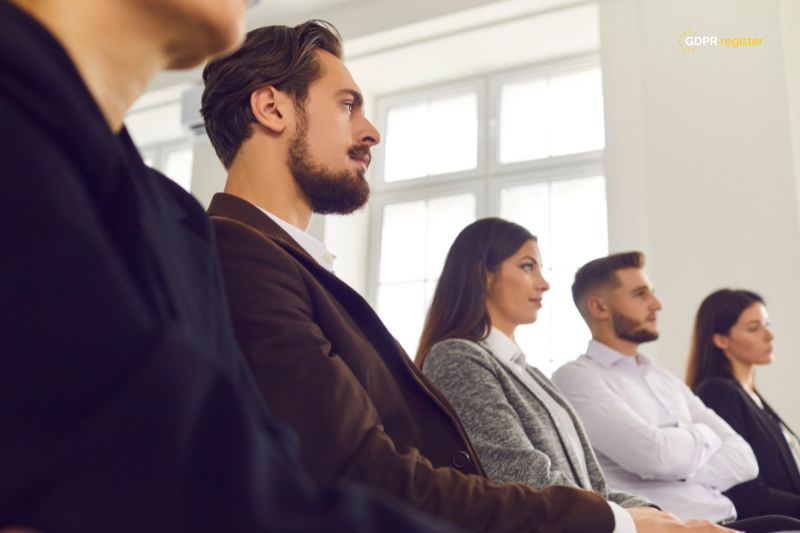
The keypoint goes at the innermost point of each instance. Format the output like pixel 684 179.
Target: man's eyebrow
pixel 529 257
pixel 641 288
pixel 357 97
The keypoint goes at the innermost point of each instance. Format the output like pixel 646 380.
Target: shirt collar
pixel 606 356
pixel 313 246
pixel 504 348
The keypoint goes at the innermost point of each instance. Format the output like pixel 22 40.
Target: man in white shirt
pixel 652 435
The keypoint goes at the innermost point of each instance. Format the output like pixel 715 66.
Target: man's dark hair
pixel 602 272
pixel 280 56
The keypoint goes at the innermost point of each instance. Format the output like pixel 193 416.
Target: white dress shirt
pixel 653 436
pixel 508 353
pixel 313 246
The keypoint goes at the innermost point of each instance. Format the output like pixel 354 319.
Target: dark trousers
pixel 765 524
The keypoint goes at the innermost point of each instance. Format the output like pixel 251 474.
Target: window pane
pixel 402 307
pixel 416 237
pixel 453 129
pixel 430 137
pixel 559 333
pixel 402 257
pixel 577 106
pixel 447 216
pixel 576 241
pixel 178 166
pixel 548 116
pixel 524 121
pixel 529 206
pixel 406 142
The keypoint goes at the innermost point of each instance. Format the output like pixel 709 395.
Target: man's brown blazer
pixel 328 367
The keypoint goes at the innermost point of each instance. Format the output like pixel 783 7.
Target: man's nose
pixel 369 135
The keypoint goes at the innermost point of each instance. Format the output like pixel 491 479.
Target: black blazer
pixel 125 404
pixel 776 490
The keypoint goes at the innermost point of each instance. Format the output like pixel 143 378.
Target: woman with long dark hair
pixel 523 429
pixel 731 337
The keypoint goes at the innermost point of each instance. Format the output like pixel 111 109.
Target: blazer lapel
pixel 773 427
pixel 571 453
pixel 573 459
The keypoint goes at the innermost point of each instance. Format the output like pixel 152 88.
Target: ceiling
pixel 288 11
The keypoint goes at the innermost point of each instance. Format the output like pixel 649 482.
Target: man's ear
pixel 720 341
pixel 597 307
pixel 268 105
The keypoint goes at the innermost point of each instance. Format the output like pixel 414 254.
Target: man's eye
pixel 349 106
pixel 527 267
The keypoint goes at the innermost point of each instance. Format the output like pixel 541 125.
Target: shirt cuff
pixel 623 521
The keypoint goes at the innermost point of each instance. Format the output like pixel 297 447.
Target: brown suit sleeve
pixel 309 387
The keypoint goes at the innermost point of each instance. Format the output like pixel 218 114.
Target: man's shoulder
pixel 580 364
pixel 576 371
pixel 234 232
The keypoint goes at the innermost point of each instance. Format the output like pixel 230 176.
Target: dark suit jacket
pixel 326 365
pixel 125 404
pixel 776 490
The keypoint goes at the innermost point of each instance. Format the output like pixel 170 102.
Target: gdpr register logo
pixel 689 41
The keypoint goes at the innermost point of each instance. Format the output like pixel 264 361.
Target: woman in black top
pixel 731 337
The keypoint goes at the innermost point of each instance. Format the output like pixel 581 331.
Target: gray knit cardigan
pixel 513 433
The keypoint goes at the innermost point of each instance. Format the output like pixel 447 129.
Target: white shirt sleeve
pixel 620 433
pixel 623 521
pixel 734 461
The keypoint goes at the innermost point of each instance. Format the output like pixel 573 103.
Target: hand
pixel 649 520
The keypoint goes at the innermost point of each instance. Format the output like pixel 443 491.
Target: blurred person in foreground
pixel 125 404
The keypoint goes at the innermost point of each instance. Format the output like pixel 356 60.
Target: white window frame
pixel 490 176
pixel 495 82
pixel 477 85
pixel 411 194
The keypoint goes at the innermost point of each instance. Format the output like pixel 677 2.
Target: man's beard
pixel 327 191
pixel 628 329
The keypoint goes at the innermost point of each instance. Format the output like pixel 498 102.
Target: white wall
pixel 701 165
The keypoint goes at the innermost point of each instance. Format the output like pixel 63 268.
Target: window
pixel 416 236
pixel 525 146
pixel 551 115
pixel 562 215
pixel 154 123
pixel 432 136
pixel 178 165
